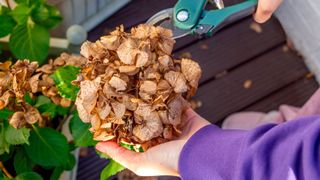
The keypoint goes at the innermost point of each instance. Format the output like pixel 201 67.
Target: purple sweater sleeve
pixel 286 151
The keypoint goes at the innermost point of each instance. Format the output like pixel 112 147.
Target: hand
pixel 161 159
pixel 265 9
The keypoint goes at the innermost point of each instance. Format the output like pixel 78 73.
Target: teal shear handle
pixel 190 14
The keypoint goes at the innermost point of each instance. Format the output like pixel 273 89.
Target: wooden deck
pixel 233 57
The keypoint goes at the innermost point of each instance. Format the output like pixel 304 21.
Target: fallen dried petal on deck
pixel 256 27
pixel 247 84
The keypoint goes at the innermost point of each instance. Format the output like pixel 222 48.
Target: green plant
pixel 31 120
pixel 28 25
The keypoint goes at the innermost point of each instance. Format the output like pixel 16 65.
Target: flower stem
pixel 4 170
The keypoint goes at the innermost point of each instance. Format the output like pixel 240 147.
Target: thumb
pixel 125 157
pixel 265 10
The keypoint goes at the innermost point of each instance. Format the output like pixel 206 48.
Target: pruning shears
pixel 190 16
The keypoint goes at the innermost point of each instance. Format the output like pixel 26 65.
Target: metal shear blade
pixel 164 19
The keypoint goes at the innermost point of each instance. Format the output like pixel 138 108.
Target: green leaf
pixel 4 10
pixel 1 175
pixel 21 13
pixel 48 110
pixel 4 145
pixel 6 156
pixel 111 169
pixel 56 173
pixel 41 100
pixel 7 24
pixel 17 136
pixel 30 41
pixel 21 162
pixel 5 114
pixel 40 13
pixel 70 162
pixel 28 176
pixel 54 18
pixel 82 137
pixel 47 147
pixel 63 77
pixel 62 111
pixel 29 100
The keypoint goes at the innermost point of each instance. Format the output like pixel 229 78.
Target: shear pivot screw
pixel 182 15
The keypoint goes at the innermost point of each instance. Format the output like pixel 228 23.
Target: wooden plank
pixel 233 46
pixel 268 73
pixel 90 166
pixel 296 94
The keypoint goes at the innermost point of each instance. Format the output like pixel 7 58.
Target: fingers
pixel 123 156
pixel 159 160
pixel 265 10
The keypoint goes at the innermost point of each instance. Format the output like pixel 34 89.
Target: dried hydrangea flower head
pixel 131 89
pixel 25 77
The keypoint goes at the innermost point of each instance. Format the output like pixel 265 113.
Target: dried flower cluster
pixel 131 89
pixel 26 77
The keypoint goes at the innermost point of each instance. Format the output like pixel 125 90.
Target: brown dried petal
pixel 164 117
pixel 129 103
pixel 192 71
pixel 88 94
pixel 148 87
pixel 167 133
pixel 102 136
pixel 119 109
pixel 34 82
pixel 47 68
pixel 116 120
pixel 130 70
pixel 4 99
pixel 117 83
pixel 59 61
pixel 103 110
pixel 143 109
pixel 111 42
pixel 56 99
pixel 176 80
pixel 86 49
pixel 151 128
pixel 108 91
pixel 5 79
pixel 142 58
pixel 32 115
pixel 176 106
pixel 5 66
pixel 83 114
pixel 126 51
pixel 105 125
pixel 165 62
pixel 65 102
pixel 141 32
pixel 18 120
pixel 95 122
pixel 26 66
pixel 93 51
pixel 47 80
pixel 167 45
